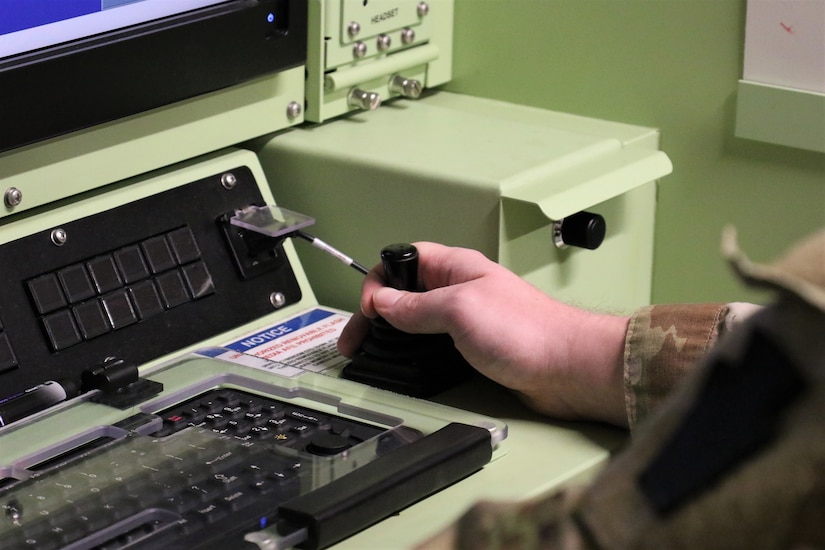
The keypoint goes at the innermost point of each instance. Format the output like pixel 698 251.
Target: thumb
pixel 385 298
pixel 408 311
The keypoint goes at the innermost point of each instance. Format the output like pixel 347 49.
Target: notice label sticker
pixel 306 341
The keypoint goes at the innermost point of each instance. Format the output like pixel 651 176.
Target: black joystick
pixel 400 262
pixel 420 365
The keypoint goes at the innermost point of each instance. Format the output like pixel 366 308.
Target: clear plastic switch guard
pixel 272 221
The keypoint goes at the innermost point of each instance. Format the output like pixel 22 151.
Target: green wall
pixel 669 64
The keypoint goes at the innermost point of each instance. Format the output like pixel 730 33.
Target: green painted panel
pixel 667 64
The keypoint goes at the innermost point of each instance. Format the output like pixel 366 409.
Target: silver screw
pixel 423 9
pixel 353 29
pixel 407 36
pixel 229 180
pixel 277 299
pixel 359 50
pixel 293 110
pixel 59 236
pixel 383 42
pixel 13 197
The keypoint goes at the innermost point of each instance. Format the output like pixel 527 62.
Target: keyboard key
pixel 91 319
pixel 209 513
pixel 233 412
pixel 47 293
pixel 146 299
pixel 228 398
pixel 104 274
pixel 183 245
pixel 119 309
pixel 61 330
pixel 76 282
pixel 198 280
pixel 158 254
pixel 172 290
pixel 8 360
pixel 131 264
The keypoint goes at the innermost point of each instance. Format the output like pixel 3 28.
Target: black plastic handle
pixel 387 485
pixel 400 263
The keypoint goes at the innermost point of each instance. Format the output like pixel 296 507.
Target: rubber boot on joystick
pixel 420 365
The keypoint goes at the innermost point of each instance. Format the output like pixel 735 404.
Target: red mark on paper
pixel 788 29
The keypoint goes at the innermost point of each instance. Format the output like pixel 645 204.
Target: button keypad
pixel 116 289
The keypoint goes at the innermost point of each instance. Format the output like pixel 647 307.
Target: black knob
pixel 583 229
pixel 400 263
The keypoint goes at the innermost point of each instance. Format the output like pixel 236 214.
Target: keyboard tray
pixel 226 459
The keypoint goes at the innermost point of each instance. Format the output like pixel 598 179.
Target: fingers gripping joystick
pixel 421 365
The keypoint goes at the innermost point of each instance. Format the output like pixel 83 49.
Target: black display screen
pixel 70 65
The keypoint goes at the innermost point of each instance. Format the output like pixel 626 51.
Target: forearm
pixel 586 382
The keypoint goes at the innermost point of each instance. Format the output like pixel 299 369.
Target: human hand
pixel 563 361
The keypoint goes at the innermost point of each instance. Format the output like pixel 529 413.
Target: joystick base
pixel 420 365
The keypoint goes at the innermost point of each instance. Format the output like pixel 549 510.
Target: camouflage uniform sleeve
pixel 663 343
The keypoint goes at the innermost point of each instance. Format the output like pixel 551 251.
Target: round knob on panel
pixel 327 444
pixel 359 50
pixel 407 87
pixel 362 99
pixel 383 42
pixel 407 36
pixel 583 229
pixel 400 263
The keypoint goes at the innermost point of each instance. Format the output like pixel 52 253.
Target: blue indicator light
pixel 263 522
pixel 270 18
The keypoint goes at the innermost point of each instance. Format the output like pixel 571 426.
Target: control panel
pixel 361 53
pixel 135 280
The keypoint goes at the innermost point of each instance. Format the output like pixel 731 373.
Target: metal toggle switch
pixel 407 87
pixel 363 99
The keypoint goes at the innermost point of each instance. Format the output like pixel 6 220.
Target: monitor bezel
pixel 69 87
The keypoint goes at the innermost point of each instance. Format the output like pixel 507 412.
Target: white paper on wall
pixel 785 43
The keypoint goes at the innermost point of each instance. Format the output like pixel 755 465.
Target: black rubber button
pixel 172 290
pixel 8 360
pixel 198 279
pixel 184 245
pixel 91 319
pixel 76 283
pixel 146 299
pixel 47 293
pixel 104 274
pixel 131 264
pixel 326 444
pixel 61 329
pixel 158 254
pixel 119 309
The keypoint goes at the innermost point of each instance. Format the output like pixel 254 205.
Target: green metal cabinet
pixel 477 173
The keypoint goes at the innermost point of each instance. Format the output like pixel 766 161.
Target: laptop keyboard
pixel 252 418
pixel 224 460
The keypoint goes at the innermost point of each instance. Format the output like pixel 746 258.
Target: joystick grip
pixel 400 263
pixel 421 365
